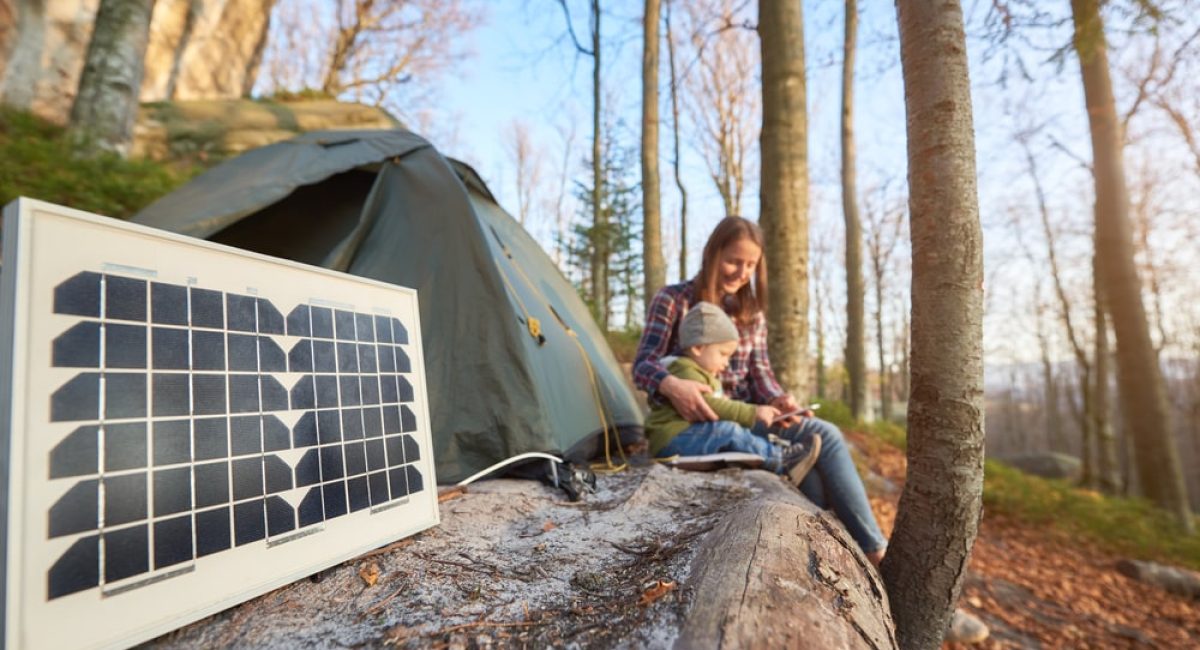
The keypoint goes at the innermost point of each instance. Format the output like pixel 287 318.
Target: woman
pixel 733 274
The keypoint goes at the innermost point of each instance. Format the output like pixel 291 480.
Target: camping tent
pixel 386 205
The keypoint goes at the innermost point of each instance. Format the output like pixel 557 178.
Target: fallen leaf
pixel 659 589
pixel 549 526
pixel 369 573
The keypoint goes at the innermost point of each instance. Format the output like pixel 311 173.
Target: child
pixel 709 338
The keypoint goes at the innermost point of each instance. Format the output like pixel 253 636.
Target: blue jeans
pixel 714 437
pixel 834 483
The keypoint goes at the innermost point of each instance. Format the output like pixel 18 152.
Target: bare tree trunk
pixel 1050 388
pixel 784 188
pixel 106 106
pixel 18 84
pixel 1107 467
pixel 939 510
pixel 599 218
pixel 885 399
pixel 653 264
pixel 683 198
pixel 1140 379
pixel 856 358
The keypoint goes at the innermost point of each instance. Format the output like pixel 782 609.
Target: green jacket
pixel 664 423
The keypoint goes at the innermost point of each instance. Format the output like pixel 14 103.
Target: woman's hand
pixel 687 397
pixel 766 414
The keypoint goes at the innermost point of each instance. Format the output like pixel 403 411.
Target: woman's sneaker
pixel 800 457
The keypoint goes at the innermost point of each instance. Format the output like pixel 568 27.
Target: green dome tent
pixel 386 205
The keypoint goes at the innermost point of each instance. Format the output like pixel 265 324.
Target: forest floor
pixel 1036 587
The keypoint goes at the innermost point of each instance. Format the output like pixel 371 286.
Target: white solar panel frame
pixel 44 244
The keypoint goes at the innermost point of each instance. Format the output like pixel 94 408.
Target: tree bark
pixel 856 358
pixel 885 398
pixel 599 218
pixel 938 516
pixel 18 83
pixel 683 197
pixel 106 106
pixel 653 264
pixel 1108 472
pixel 1143 396
pixel 784 188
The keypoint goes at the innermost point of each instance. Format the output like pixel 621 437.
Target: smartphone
pixel 804 411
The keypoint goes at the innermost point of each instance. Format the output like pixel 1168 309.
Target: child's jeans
pixel 714 437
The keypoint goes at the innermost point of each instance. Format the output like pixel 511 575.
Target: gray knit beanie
pixel 706 323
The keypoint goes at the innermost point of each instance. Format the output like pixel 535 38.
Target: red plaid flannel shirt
pixel 748 378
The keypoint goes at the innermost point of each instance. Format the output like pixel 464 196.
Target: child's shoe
pixel 799 458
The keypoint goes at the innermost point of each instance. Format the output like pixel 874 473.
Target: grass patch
pixel 624 343
pixel 38 160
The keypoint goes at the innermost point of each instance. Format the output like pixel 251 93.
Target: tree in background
pixel 938 516
pixel 884 223
pixel 652 255
pixel 1143 395
pixel 784 187
pixel 683 195
pixel 526 161
pixel 106 105
pixel 856 355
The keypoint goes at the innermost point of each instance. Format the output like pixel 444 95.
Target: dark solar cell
pixel 405 388
pixel 402 362
pixel 245 435
pixel 75 511
pixel 270 321
pixel 395 450
pixel 124 298
pixel 172 442
pixel 124 395
pixel 207 308
pixel 365 327
pixel 398 480
pixel 415 482
pixel 311 510
pixel 77 569
pixel 359 496
pixel 322 323
pixel 208 394
pixel 208 351
pixel 399 332
pixel 126 553
pixel 347 357
pixel 331 463
pixel 173 541
pixel 247 478
pixel 77 454
pixel 276 436
pixel 366 358
pixel 408 421
pixel 125 346
pixel 383 329
pixel 240 312
pixel 372 422
pixel 344 323
pixel 280 516
pixel 212 484
pixel 351 395
pixel 168 304
pixel 212 531
pixel 308 470
pixel 243 394
pixel 329 426
pixel 278 475
pixel 412 452
pixel 78 347
pixel 249 525
pixel 172 490
pixel 375 457
pixel 335 499
pixel 274 397
pixel 170 349
pixel 79 295
pixel 370 390
pixel 327 391
pixel 304 433
pixel 352 428
pixel 78 399
pixel 124 446
pixel 270 357
pixel 391 419
pixel 243 353
pixel 210 438
pixel 297 321
pixel 356 459
pixel 170 394
pixel 387 358
pixel 379 488
pixel 125 499
pixel 300 357
pixel 324 357
pixel 302 397
pixel 387 389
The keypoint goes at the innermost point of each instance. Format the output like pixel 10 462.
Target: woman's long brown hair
pixel 751 298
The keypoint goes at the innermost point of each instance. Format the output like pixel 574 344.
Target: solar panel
pixel 189 426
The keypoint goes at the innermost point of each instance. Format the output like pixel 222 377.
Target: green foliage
pixel 38 160
pixel 837 412
pixel 298 95
pixel 1132 527
pixel 624 343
